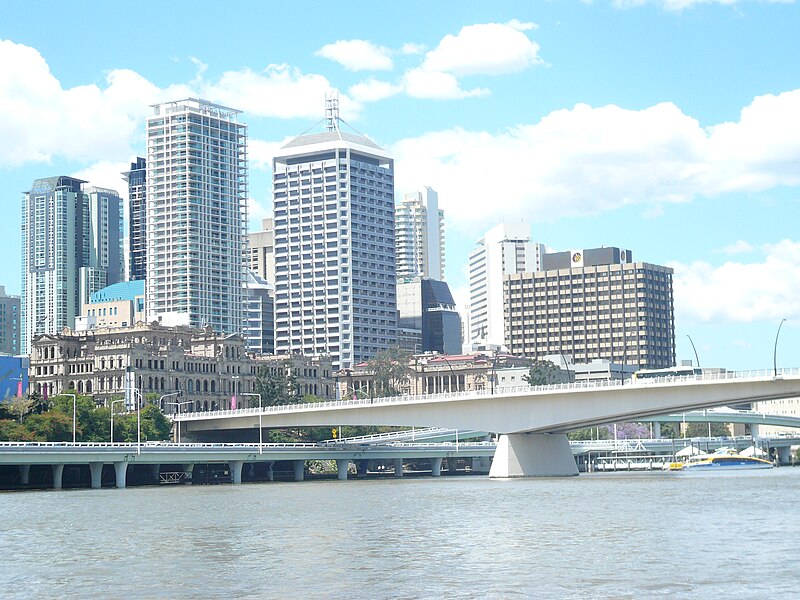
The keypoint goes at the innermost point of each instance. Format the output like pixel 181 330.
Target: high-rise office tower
pixel 427 317
pixel 419 236
pixel 593 304
pixel 196 215
pixel 137 220
pixel 259 319
pixel 9 323
pixel 71 247
pixel 333 196
pixel 503 250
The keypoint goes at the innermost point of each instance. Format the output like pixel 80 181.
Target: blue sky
pixel 671 127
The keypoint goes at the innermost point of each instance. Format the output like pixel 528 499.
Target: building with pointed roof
pixel 333 198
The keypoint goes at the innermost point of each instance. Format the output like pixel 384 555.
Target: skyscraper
pixel 333 197
pixel 419 232
pixel 137 220
pixel 196 214
pixel 71 247
pixel 593 304
pixel 261 258
pixel 505 249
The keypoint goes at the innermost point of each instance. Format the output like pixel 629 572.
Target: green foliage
pixel 668 430
pixel 277 389
pixel 11 431
pixel 590 433
pixel 701 430
pixel 17 406
pixel 52 426
pixel 390 372
pixel 543 372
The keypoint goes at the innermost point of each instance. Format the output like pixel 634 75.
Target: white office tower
pixel 419 233
pixel 70 248
pixel 504 250
pixel 196 215
pixel 333 197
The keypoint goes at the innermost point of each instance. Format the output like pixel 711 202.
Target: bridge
pixel 125 455
pixel 533 421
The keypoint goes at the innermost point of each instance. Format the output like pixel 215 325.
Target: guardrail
pixel 763 374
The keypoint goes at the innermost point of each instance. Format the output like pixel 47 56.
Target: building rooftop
pixel 124 290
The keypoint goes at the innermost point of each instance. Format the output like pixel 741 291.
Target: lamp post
pixel 74 412
pixel 113 402
pixel 260 433
pixel 138 419
pixel 695 350
pixel 177 424
pixel 775 351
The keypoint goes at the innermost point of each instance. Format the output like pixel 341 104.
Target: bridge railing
pixel 476 394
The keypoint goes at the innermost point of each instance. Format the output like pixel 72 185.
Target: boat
pixel 723 459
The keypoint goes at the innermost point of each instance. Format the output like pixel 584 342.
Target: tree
pixel 52 426
pixel 543 372
pixel 19 406
pixel 390 372
pixel 11 431
pixel 701 430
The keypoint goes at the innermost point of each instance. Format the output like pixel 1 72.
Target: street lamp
pixel 177 423
pixel 74 411
pixel 161 399
pixel 260 433
pixel 775 351
pixel 695 350
pixel 138 419
pixel 113 402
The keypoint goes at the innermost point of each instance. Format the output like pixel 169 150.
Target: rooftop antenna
pixel 332 111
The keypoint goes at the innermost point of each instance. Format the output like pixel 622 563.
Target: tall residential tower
pixel 333 196
pixel 136 267
pixel 419 232
pixel 196 215
pixel 71 247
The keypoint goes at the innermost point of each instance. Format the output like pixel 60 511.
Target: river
pixel 639 535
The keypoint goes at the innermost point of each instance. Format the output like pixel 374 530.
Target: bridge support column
pixel 155 471
pixel 754 431
pixel 480 464
pixel 25 474
pixel 270 474
pixel 533 455
pixel 342 465
pixel 784 455
pixel 187 471
pixel 299 466
pixel 657 430
pixel 398 467
pixel 96 470
pixel 436 467
pixel 58 474
pixel 236 470
pixel 121 472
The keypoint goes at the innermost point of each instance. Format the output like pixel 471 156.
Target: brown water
pixel 731 535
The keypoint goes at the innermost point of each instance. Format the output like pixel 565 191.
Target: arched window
pixel 197 385
pixel 80 387
pixel 163 387
pixel 190 385
pixel 213 386
pixel 89 387
pixel 205 385
pixel 205 405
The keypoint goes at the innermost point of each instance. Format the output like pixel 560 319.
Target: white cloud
pixel 738 247
pixel 680 5
pixel 106 174
pixel 373 90
pixel 412 48
pixel 421 83
pixel 278 91
pixel 484 49
pixel 42 122
pixel 358 55
pixel 741 292
pixel 261 152
pixel 520 26
pixel 588 160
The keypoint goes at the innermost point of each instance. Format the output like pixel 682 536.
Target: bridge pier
pixel 58 474
pixel 784 455
pixel 657 430
pixel 121 471
pixel 96 470
pixel 436 467
pixel 533 455
pixel 25 474
pixel 270 474
pixel 342 464
pixel 299 467
pixel 398 467
pixel 236 470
